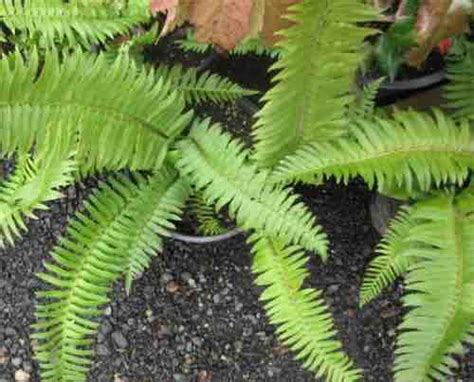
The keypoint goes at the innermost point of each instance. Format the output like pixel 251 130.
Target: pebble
pixel 103 350
pixel 119 340
pixel 22 376
pixel 3 355
pixel 16 361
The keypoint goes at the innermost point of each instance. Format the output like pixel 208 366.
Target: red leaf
pixel 163 5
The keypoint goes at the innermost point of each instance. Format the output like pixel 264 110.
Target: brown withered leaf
pixel 221 22
pixel 274 19
pixel 436 20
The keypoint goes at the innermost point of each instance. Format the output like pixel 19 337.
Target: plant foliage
pixel 412 150
pixel 73 23
pixel 117 233
pixel 219 166
pixel 303 322
pixel 139 115
pixel 319 56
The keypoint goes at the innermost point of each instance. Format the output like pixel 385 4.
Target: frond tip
pixel 392 261
pixel 300 315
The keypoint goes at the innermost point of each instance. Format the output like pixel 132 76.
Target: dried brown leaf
pixel 274 19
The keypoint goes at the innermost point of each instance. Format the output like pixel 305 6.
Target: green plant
pixel 66 113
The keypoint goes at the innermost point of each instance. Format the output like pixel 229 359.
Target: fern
pixel 365 104
pixel 52 22
pixel 35 181
pixel 218 165
pixel 124 118
pixel 319 57
pixel 118 233
pixel 440 288
pixel 250 45
pixel 392 261
pixel 460 90
pixel 303 322
pixel 202 87
pixel 209 223
pixel 413 150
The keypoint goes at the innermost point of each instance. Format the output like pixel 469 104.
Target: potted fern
pixel 68 113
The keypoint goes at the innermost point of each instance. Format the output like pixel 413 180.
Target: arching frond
pixel 320 54
pixel 202 87
pixel 161 204
pixel 218 165
pixel 365 102
pixel 36 180
pixel 52 22
pixel 110 237
pixel 303 321
pixel 412 150
pixel 460 91
pixel 440 288
pixel 392 261
pixel 125 117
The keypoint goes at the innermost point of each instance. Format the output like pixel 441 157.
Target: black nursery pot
pixel 409 81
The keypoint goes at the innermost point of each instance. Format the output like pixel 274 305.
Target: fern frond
pixel 364 105
pixel 303 321
pixel 202 87
pixel 36 180
pixel 218 165
pixel 459 92
pixel 320 54
pixel 440 288
pixel 124 117
pixel 250 45
pixel 392 261
pixel 109 238
pixel 413 150
pixel 209 223
pixel 53 22
pixel 161 204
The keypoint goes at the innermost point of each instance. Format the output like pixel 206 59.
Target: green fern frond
pixel 53 22
pixel 36 180
pixel 217 165
pixel 320 54
pixel 364 105
pixel 392 261
pixel 459 92
pixel 124 117
pixel 202 87
pixel 209 223
pixel 250 45
pixel 161 204
pixel 411 151
pixel 440 288
pixel 109 238
pixel 303 321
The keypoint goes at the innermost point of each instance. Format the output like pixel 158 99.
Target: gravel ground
pixel 194 315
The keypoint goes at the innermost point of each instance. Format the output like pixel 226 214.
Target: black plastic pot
pixel 392 91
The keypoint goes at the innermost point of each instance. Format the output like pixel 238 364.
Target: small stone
pixel 203 376
pixel 103 350
pixel 22 376
pixel 180 377
pixel 119 340
pixel 333 288
pixel 165 278
pixel 172 287
pixel 216 299
pixel 108 311
pixel 3 356
pixel 16 361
